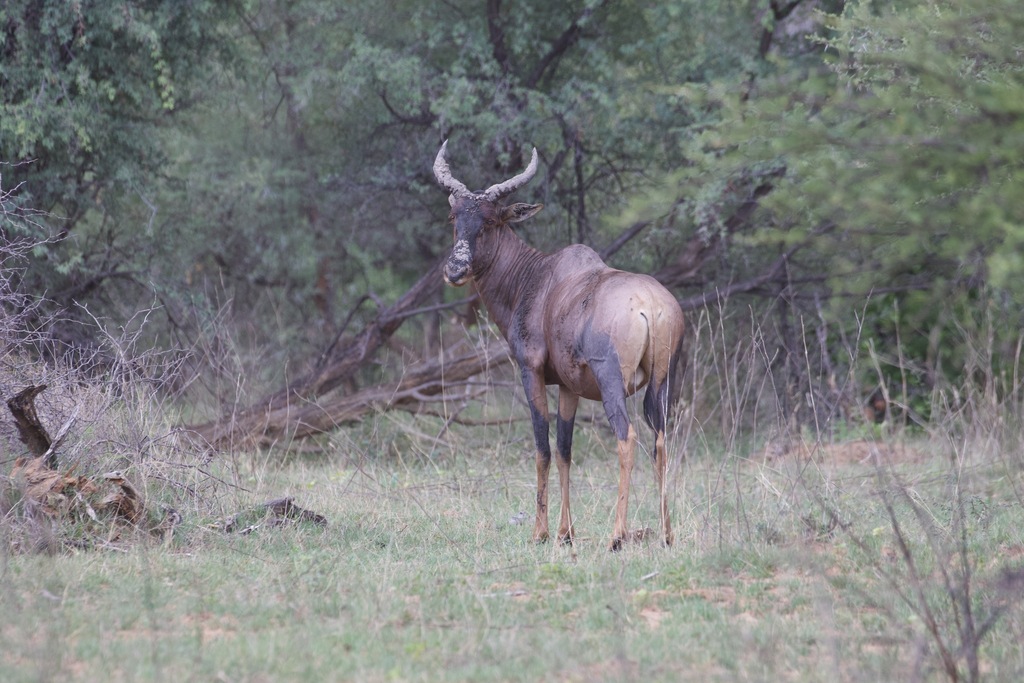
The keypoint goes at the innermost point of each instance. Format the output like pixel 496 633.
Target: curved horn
pixel 495 192
pixel 444 174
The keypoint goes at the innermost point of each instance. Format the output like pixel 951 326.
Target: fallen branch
pixel 420 384
pixel 277 414
pixel 271 514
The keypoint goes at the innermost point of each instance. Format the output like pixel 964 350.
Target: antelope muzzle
pixel 456 269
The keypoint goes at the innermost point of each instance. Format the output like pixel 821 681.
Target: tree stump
pixel 30 429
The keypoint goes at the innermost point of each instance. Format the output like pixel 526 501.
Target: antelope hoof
pixel 616 544
pixel 540 537
pixel 565 539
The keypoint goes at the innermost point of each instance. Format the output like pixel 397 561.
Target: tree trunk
pixel 30 429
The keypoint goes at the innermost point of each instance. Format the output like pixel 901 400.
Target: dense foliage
pixel 86 91
pixel 849 169
pixel 898 164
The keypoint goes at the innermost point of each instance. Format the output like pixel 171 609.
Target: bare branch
pixel 626 235
pixel 279 413
pixel 775 270
pixel 424 118
pixel 497 34
pixel 566 40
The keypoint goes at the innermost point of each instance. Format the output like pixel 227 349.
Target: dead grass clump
pixel 46 510
pixel 115 470
pixel 856 452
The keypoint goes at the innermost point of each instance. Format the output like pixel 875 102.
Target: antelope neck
pixel 513 274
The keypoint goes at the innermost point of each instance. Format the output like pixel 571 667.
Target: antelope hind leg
pixel 660 468
pixel 627 451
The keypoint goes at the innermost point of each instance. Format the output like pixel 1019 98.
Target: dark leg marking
pixel 537 398
pixel 655 408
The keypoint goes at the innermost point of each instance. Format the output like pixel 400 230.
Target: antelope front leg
pixel 567 403
pixel 627 451
pixel 540 527
pixel 537 397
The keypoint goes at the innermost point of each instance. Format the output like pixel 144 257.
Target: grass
pixel 425 572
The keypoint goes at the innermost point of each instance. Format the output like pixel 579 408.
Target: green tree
pixel 890 173
pixel 85 89
pixel 309 171
pixel 308 177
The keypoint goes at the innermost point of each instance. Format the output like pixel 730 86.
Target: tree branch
pixel 497 35
pixel 720 293
pixel 418 385
pixel 566 40
pixel 698 249
pixel 424 118
pixel 271 414
pixel 779 13
pixel 624 237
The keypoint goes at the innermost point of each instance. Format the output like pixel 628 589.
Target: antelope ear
pixel 519 212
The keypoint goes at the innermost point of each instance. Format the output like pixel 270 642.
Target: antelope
pixel 569 320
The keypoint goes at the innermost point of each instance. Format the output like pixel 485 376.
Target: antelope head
pixel 478 218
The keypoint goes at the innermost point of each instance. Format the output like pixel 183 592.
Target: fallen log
pixel 272 417
pixel 273 513
pixel 420 384
pixel 57 510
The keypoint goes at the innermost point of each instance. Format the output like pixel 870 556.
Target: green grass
pixel 421 576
